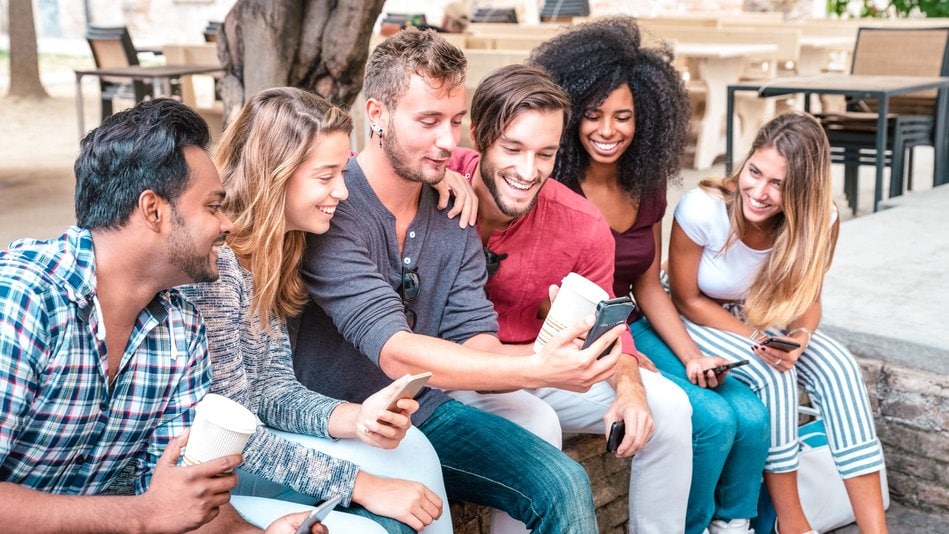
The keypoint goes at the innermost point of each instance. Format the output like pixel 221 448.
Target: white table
pixel 718 65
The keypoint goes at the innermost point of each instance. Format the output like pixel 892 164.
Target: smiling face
pixel 423 130
pixel 760 183
pixel 607 130
pixel 197 224
pixel 316 187
pixel 516 165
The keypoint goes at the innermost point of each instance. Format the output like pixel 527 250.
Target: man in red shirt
pixel 535 232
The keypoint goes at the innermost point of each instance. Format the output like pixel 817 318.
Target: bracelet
pixel 806 331
pixel 756 335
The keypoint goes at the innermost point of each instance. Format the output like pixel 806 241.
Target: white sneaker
pixel 735 526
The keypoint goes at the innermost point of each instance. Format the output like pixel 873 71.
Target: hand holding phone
pixel 410 389
pixel 722 368
pixel 319 514
pixel 617 433
pixel 781 344
pixel 609 314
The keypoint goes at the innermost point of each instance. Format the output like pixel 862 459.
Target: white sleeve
pixel 696 214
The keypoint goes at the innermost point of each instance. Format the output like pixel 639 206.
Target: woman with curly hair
pixel 620 150
pixel 747 262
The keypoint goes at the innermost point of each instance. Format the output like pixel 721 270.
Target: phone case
pixel 319 514
pixel 617 433
pixel 609 314
pixel 781 344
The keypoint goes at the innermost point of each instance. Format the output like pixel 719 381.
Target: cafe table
pixel 159 76
pixel 879 88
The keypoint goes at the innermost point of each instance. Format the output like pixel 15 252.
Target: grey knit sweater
pixel 256 369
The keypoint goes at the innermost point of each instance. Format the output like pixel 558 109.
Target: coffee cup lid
pixel 228 413
pixel 585 287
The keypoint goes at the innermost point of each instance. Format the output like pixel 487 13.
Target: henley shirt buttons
pixel 412 235
pixel 407 261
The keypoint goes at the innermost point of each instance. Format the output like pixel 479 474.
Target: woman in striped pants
pixel 747 261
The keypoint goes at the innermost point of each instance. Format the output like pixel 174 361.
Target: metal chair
pixel 564 10
pixel 211 31
pixel 910 118
pixel 485 14
pixel 112 48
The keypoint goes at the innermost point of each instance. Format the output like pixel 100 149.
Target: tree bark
pixel 321 45
pixel 24 60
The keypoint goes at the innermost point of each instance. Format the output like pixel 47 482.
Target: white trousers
pixel 414 459
pixel 661 471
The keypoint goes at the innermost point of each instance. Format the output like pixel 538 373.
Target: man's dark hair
pixel 136 150
pixel 506 92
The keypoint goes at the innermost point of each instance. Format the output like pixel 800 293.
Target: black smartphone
pixel 617 433
pixel 609 314
pixel 781 344
pixel 727 366
pixel 318 514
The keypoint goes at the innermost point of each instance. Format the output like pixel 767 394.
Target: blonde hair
pixel 805 233
pixel 259 152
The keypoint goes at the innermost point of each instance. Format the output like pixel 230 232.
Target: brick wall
pixel 911 408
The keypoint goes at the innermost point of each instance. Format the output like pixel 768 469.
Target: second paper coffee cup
pixel 221 427
pixel 577 298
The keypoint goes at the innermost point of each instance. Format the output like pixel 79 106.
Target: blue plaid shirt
pixel 63 428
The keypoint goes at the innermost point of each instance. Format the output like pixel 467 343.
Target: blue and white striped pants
pixel 830 376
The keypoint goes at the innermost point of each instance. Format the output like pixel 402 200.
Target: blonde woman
pixel 281 163
pixel 747 262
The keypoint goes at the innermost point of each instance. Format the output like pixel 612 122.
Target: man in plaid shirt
pixel 100 362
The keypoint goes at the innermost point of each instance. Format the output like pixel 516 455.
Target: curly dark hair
pixel 589 62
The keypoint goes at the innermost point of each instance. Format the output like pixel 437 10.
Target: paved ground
pixel 888 288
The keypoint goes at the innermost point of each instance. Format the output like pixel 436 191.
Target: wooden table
pixel 159 77
pixel 880 88
pixel 718 65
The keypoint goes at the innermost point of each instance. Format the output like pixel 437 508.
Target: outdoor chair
pixel 485 14
pixel 211 31
pixel 910 119
pixel 112 48
pixel 564 10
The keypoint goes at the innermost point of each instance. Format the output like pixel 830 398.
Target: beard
pixel 401 164
pixel 489 176
pixel 183 254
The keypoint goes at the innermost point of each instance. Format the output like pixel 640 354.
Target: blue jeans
pixel 491 461
pixel 730 438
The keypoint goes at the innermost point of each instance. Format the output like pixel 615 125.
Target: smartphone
pixel 781 344
pixel 617 433
pixel 319 514
pixel 727 366
pixel 609 313
pixel 410 389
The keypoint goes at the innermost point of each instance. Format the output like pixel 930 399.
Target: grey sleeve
pixel 344 279
pixel 306 470
pixel 282 402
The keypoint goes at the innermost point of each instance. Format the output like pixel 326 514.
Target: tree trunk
pixel 24 62
pixel 321 45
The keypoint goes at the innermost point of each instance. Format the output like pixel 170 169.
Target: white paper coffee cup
pixel 576 299
pixel 221 427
